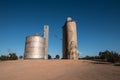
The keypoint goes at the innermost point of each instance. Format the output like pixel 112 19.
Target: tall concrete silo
pixel 34 47
pixel 70 50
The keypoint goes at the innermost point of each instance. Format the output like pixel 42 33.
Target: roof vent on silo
pixel 69 19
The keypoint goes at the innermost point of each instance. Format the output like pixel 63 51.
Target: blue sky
pixel 98 24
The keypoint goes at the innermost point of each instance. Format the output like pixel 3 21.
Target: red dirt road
pixel 57 70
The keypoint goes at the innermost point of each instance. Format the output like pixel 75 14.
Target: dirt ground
pixel 57 70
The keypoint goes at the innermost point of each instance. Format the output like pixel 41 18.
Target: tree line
pixel 13 56
pixel 10 56
pixel 56 57
pixel 106 56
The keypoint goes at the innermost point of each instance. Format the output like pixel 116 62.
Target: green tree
pixel 4 57
pixel 109 56
pixel 20 57
pixel 12 56
pixel 49 56
pixel 57 56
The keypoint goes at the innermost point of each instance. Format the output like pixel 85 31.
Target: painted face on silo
pixel 71 31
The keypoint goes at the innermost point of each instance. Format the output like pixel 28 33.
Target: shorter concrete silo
pixel 34 47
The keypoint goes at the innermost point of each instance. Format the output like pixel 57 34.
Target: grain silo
pixel 35 46
pixel 70 50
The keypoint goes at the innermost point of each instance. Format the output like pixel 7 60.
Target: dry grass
pixel 57 70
